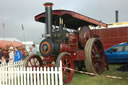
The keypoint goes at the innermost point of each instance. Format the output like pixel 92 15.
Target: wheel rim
pixel 34 61
pixel 95 55
pixel 66 63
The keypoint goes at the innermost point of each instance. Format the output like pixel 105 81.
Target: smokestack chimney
pixel 48 17
pixel 116 16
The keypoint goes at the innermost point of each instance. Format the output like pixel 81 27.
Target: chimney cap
pixel 48 4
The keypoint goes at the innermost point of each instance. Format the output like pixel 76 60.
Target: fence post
pixel 52 76
pixel 48 70
pixel 28 71
pixel 31 76
pixel 38 71
pixel 45 80
pixel 42 79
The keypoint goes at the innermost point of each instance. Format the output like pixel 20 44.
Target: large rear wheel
pixel 66 63
pixel 95 56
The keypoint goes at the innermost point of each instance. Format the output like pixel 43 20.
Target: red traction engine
pixel 69 38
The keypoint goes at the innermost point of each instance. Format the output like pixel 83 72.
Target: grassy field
pixel 83 79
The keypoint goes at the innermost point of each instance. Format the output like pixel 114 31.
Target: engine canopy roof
pixel 71 19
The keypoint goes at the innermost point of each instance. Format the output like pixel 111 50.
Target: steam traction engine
pixel 69 38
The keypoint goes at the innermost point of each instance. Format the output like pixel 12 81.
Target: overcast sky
pixel 13 13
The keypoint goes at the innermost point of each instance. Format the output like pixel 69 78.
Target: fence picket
pixel 48 70
pixel 22 70
pixel 15 76
pixel 38 76
pixel 27 76
pixel 45 77
pixel 52 76
pixel 60 74
pixel 24 76
pixel 56 79
pixel 41 69
pixel 31 76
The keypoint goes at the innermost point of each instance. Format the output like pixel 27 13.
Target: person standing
pixel 34 49
pixel 18 55
pixel 3 61
pixel 11 54
pixel 30 50
pixel 1 54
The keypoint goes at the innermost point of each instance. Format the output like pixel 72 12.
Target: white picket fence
pixel 17 74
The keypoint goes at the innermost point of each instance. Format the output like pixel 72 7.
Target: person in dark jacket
pixel 1 54
pixel 18 55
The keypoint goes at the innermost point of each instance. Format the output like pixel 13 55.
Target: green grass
pixel 83 79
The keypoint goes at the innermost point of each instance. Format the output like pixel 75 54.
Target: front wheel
pixel 33 61
pixel 66 63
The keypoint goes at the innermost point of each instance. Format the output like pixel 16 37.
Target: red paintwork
pixel 78 55
pixel 71 45
pixel 48 4
pixel 49 58
pixel 112 36
pixel 48 61
pixel 88 20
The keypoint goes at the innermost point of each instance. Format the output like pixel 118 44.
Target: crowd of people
pixel 14 54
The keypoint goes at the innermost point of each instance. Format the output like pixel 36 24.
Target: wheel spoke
pixel 93 52
pixel 95 48
pixel 98 69
pixel 96 66
pixel 93 59
pixel 30 62
pixel 62 64
pixel 36 61
pixel 67 62
pixel 67 74
pixel 99 60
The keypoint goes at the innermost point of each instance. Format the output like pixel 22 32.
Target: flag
pixel 22 27
pixel 3 25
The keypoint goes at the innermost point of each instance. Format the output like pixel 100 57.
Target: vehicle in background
pixel 118 53
pixel 112 35
pixel 5 44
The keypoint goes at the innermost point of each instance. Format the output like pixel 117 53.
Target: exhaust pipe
pixel 116 16
pixel 48 18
